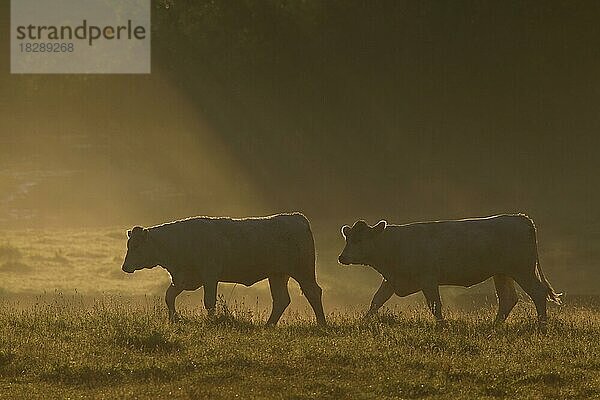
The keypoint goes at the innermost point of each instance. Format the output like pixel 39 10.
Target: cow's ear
pixel 360 225
pixel 345 231
pixel 138 231
pixel 380 226
pixel 129 233
pixel 145 233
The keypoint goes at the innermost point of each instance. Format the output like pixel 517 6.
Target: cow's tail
pixel 311 245
pixel 551 294
pixel 310 241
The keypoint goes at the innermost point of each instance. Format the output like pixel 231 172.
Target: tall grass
pixel 112 348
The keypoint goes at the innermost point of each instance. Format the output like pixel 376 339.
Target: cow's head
pixel 140 251
pixel 360 239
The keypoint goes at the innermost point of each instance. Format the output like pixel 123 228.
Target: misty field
pixel 74 325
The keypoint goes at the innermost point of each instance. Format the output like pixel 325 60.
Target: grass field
pixel 70 348
pixel 74 326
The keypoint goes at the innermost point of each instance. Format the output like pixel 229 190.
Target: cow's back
pixel 462 252
pixel 243 250
pixel 267 240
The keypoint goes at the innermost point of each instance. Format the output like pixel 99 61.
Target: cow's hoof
pixel 543 327
pixel 441 324
pixel 498 325
pixel 175 318
pixel 369 315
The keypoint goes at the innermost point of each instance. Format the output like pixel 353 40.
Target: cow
pixel 424 255
pixel 203 251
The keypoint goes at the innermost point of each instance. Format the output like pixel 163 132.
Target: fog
pixel 340 109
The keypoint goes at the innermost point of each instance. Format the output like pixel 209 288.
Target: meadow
pixel 69 348
pixel 72 325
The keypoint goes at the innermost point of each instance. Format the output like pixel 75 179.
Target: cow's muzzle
pixel 343 260
pixel 129 270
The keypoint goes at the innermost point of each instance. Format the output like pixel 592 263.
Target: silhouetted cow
pixel 422 256
pixel 203 251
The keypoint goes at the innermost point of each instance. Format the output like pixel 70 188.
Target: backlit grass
pixel 110 348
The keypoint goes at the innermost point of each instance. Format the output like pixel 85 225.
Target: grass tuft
pixel 148 340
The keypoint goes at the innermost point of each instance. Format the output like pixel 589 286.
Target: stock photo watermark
pixel 80 36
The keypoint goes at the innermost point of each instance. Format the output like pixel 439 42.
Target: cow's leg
pixel 507 296
pixel 382 295
pixel 280 296
pixel 432 295
pixel 210 297
pixel 172 293
pixel 538 293
pixel 313 293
